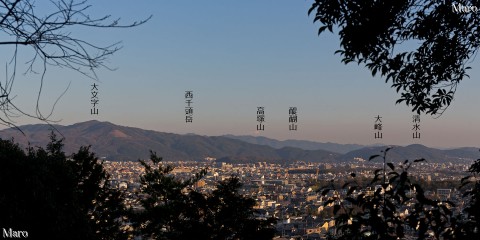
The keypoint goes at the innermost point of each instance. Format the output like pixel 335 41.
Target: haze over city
pixel 235 57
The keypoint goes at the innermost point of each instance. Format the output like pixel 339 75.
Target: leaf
pixel 391 166
pixel 465 178
pixel 372 157
pixel 314 6
pixel 419 160
pixel 353 174
pixel 321 29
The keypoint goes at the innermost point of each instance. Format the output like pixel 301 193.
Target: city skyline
pixel 236 57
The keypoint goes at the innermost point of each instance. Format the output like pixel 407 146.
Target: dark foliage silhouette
pixel 53 196
pixel 174 210
pixel 423 47
pixel 392 206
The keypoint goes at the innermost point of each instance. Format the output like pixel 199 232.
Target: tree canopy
pixel 394 206
pixel 53 196
pixel 174 210
pixel 423 47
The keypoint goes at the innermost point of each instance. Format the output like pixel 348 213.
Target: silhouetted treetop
pixel 423 47
pixel 52 196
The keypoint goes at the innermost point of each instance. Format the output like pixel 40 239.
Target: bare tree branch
pixel 53 44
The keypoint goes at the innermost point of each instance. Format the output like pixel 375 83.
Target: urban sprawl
pixel 290 193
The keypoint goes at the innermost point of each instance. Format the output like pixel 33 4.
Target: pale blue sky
pixel 236 56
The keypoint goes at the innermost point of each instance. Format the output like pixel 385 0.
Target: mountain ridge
pixel 123 143
pixel 303 144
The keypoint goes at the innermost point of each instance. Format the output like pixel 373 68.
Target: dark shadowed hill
pixel 127 143
pixel 122 143
pixel 415 151
pixel 302 144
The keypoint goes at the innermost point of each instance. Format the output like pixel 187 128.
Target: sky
pixel 236 56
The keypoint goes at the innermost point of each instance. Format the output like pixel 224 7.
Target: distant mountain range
pixel 121 143
pixel 415 151
pixel 302 144
pixel 127 143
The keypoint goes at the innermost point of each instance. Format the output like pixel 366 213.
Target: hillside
pixel 302 144
pixel 122 143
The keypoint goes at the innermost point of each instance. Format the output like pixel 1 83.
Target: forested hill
pixel 121 143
